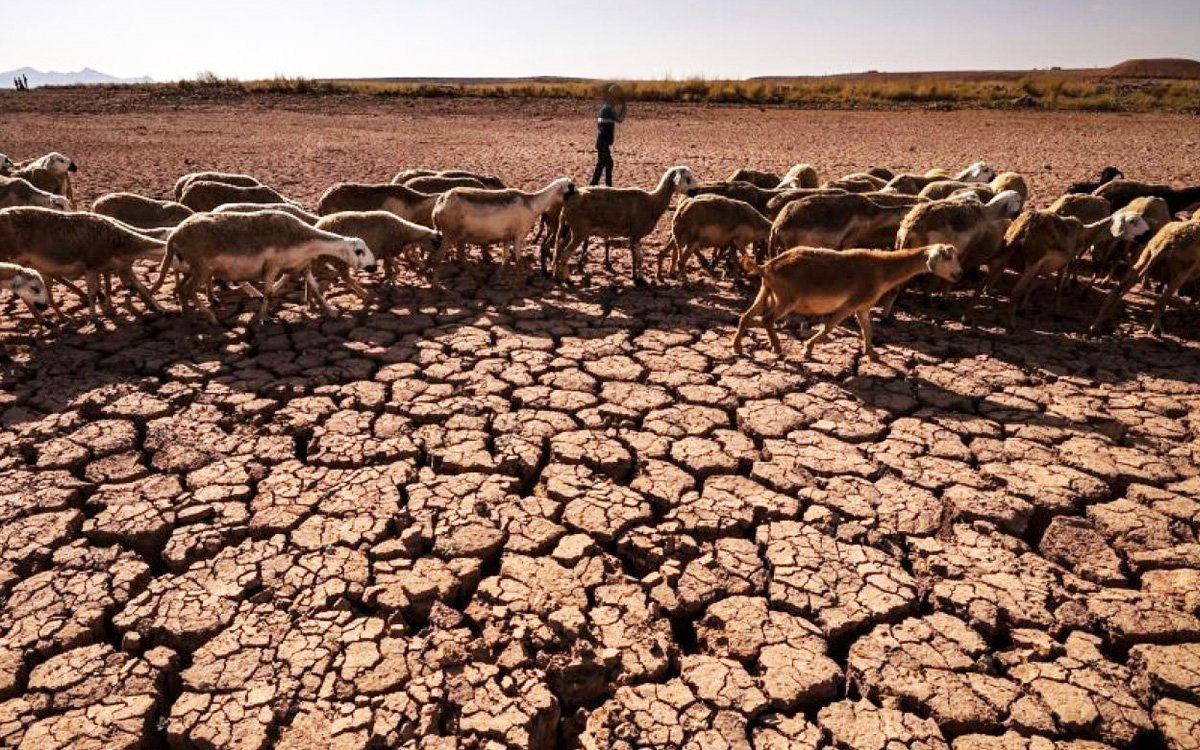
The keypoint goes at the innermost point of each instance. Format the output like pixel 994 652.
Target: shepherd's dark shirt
pixel 606 124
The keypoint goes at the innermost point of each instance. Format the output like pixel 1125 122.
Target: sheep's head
pixel 942 261
pixel 1111 173
pixel 1128 225
pixel 980 171
pixel 58 164
pixel 357 255
pixel 6 164
pixel 31 288
pixel 1008 204
pixel 685 183
pixel 563 189
pixel 431 243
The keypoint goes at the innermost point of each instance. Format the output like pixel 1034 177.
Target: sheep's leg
pixel 315 289
pixel 608 266
pixel 203 279
pixel 756 308
pixel 545 253
pixel 110 298
pixel 269 287
pixel 671 251
pixel 864 325
pixel 995 273
pixel 773 313
pixel 1114 296
pixel 131 280
pixel 82 295
pixel 1161 304
pixel 1021 290
pixel 581 263
pixel 889 303
pixel 635 248
pixel 683 256
pixel 92 282
pixel 347 277
pixel 562 255
pixel 53 301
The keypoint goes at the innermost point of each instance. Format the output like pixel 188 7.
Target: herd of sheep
pixel 831 250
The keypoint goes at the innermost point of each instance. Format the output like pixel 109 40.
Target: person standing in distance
pixel 611 113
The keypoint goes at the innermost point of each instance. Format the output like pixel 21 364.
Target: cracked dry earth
pixel 489 519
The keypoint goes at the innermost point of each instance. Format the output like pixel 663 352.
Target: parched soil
pixel 508 514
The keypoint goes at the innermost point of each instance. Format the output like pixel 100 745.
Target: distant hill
pixel 1164 67
pixel 52 78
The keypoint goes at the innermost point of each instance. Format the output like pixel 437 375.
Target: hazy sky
pixel 589 38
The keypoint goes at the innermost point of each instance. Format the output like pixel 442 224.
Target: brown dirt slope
pixel 1164 67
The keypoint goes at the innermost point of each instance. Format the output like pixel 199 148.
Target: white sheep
pixel 259 246
pixel 486 217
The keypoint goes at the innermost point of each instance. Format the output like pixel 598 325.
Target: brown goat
pixel 836 285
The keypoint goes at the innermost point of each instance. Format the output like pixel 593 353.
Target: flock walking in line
pixel 831 249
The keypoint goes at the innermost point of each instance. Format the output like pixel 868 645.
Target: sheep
pixel 1114 257
pixel 255 247
pixel 15 191
pixel 712 221
pixel 1087 208
pixel 51 173
pixel 1011 181
pixel 141 212
pixel 489 181
pixel 1046 242
pixel 205 196
pixel 237 180
pixel 834 222
pixel 387 235
pixel 64 245
pixel 861 182
pixel 27 285
pixel 617 212
pixel 1173 256
pixel 981 193
pixel 756 196
pixel 973 228
pixel 959 223
pixel 894 199
pixel 940 191
pixel 1120 192
pixel 764 180
pixel 912 184
pixel 400 200
pixel 441 183
pixel 776 202
pixel 485 217
pixel 1107 175
pixel 801 176
pixel 837 284
pixel 288 208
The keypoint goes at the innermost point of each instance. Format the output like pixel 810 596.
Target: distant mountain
pixel 86 76
pixel 1155 68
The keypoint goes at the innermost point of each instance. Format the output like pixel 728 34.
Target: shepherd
pixel 611 113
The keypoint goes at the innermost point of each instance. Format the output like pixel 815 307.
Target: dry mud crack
pixel 593 526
